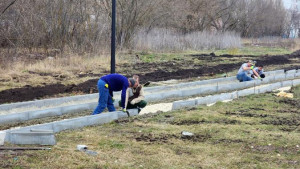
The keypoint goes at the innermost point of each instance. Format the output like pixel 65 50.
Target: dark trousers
pixel 140 104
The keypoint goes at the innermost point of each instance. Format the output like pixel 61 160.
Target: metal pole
pixel 113 37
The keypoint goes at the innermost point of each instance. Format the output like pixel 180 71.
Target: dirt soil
pixel 176 69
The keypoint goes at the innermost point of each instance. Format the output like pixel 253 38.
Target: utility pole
pixel 113 37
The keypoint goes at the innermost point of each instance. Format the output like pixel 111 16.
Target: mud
pixel 166 138
pixel 196 137
pixel 142 118
pixel 242 114
pixel 194 122
pixel 177 69
pixel 280 121
pixel 151 138
pixel 292 102
pixel 189 122
pixel 228 141
pixel 288 128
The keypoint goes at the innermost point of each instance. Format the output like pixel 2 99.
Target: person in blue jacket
pixel 109 84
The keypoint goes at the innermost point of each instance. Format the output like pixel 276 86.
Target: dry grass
pixel 54 69
pixel 286 43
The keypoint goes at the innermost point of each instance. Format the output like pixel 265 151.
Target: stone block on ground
pixel 296 82
pixel 44 113
pixel 70 124
pixel 40 138
pixel 101 118
pixel 183 104
pixel 246 92
pixel 279 77
pixel 75 108
pixel 287 83
pixel 13 118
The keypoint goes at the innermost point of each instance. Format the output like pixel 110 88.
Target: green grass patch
pixel 150 57
pixel 253 50
pixel 296 91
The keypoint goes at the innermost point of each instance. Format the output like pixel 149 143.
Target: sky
pixel 287 3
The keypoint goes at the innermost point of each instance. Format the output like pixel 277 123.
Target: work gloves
pixel 125 111
pixel 252 67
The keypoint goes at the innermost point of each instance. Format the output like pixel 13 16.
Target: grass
pixel 258 131
pixel 149 57
pixel 296 91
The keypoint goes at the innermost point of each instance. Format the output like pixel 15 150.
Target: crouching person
pixel 244 73
pixel 136 96
pixel 260 71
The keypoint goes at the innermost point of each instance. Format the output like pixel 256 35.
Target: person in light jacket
pixel 135 96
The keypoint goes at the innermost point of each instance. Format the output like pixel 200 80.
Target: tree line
pixel 84 25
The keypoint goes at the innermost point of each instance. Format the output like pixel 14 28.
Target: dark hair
pixel 259 65
pixel 132 81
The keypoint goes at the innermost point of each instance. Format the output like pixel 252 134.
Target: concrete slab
pixel 191 92
pixel 264 89
pixel 12 118
pixel 153 97
pixel 291 71
pixel 183 104
pixel 297 74
pixel 234 95
pixel 208 89
pixel 189 84
pixel 101 118
pixel 47 102
pixel 290 76
pixel 40 138
pixel 224 96
pixel 44 113
pixel 275 72
pixel 279 71
pixel 203 100
pixel 170 94
pixel 274 86
pixel 268 79
pixel 92 105
pixel 245 92
pixel 249 84
pixel 230 87
pixel 258 82
pixel 296 82
pixel 132 112
pixel 70 124
pixel 279 77
pixel 287 83
pixel 75 108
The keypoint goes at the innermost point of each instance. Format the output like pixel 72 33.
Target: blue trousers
pixel 105 99
pixel 242 77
